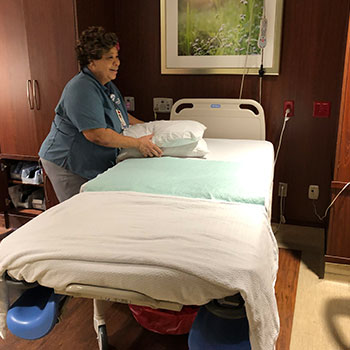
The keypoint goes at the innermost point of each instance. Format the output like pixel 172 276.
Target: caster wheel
pixel 102 338
pixel 235 311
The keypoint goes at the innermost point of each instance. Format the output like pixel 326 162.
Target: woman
pixel 87 130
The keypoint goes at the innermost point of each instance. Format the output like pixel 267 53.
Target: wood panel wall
pixel 96 13
pixel 312 60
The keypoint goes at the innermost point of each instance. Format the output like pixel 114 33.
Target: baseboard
pixel 337 272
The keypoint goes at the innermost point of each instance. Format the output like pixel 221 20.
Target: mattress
pixel 257 154
pixel 235 170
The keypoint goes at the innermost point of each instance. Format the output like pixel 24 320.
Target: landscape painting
pixel 219 36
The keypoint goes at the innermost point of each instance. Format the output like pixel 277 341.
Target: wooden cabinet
pixel 338 236
pixel 16 119
pixel 38 60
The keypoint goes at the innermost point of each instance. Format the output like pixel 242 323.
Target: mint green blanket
pixel 194 178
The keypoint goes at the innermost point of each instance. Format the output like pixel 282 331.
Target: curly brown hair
pixel 93 43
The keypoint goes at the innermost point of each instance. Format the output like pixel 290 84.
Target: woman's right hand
pixel 148 148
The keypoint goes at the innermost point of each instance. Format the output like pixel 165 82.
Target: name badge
pixel 121 119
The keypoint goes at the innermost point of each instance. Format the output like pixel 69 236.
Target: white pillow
pixel 194 150
pixel 168 133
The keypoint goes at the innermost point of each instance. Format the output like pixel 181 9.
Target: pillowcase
pixel 194 150
pixel 168 133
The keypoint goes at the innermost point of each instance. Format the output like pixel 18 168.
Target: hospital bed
pixel 160 248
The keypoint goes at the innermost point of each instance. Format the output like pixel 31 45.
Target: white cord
pixel 261 76
pixel 260 89
pixel 282 203
pixel 286 118
pixel 262 61
pixel 242 82
pixel 264 8
pixel 282 218
pixel 245 70
pixel 282 199
pixel 326 212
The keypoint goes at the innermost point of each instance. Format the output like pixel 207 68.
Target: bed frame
pixel 224 118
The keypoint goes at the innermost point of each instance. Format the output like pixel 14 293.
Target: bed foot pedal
pixel 232 307
pixel 34 313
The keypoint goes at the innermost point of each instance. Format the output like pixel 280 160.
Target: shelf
pixel 25 212
pixel 19 182
pixel 19 157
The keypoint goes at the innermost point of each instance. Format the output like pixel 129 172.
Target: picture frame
pixel 214 52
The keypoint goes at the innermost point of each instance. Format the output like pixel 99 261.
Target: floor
pixel 322 309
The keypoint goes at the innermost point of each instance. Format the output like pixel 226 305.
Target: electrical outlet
pixel 290 105
pixel 282 189
pixel 314 192
pixel 162 104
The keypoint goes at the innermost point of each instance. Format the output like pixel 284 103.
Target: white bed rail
pixel 117 295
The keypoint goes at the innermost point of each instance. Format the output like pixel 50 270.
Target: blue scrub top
pixel 85 104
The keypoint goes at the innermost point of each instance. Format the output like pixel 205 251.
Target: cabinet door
pixel 17 122
pixel 50 27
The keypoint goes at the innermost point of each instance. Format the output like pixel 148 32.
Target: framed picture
pixel 220 36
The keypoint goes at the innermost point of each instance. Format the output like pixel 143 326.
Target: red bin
pixel 165 321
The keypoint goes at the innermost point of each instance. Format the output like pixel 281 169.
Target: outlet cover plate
pixel 282 189
pixel 314 192
pixel 321 109
pixel 290 105
pixel 130 103
pixel 162 104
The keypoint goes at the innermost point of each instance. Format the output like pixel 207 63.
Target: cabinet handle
pixel 29 96
pixel 36 94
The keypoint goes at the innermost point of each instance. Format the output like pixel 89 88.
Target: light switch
pixel 130 103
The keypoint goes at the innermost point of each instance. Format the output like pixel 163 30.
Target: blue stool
pixel 34 313
pixel 210 332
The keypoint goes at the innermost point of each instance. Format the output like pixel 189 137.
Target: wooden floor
pixel 286 290
pixel 76 329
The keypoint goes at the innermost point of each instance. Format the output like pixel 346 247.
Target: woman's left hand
pixel 148 148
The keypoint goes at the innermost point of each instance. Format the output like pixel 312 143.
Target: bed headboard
pixel 224 118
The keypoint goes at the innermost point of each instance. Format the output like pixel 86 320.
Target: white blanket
pixel 190 252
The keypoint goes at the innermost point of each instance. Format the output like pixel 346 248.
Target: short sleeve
pixel 84 106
